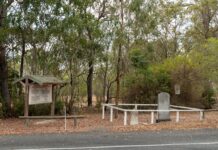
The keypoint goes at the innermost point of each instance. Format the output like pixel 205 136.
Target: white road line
pixel 124 146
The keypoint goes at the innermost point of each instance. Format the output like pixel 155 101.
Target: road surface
pixel 205 139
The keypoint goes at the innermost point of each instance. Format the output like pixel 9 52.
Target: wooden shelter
pixel 39 90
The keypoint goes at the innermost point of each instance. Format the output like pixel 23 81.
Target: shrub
pixel 207 98
pixel 144 84
pixel 1 111
pixel 19 106
pixel 36 110
pixel 59 105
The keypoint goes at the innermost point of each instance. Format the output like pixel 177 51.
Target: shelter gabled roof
pixel 40 79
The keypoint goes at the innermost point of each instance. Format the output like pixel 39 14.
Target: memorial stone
pixel 163 104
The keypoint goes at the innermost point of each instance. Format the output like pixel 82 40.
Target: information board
pixel 40 94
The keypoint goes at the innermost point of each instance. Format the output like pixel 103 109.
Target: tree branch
pixel 102 13
pixel 9 3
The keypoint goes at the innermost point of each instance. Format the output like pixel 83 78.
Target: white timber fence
pixel 173 108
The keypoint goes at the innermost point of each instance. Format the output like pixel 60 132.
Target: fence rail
pixel 173 108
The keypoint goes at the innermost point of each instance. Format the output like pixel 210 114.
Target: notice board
pixel 40 94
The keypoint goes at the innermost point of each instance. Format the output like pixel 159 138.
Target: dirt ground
pixel 94 122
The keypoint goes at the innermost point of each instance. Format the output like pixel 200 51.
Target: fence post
pixel 111 114
pixel 177 116
pixel 125 118
pixel 136 107
pixel 201 115
pixel 152 117
pixel 65 118
pixel 103 107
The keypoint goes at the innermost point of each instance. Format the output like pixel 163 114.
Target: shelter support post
pixel 53 102
pixel 26 98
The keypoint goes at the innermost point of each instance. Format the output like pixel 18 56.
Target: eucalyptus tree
pixel 143 26
pixel 4 5
pixel 171 27
pixel 204 22
pixel 79 35
pixel 97 16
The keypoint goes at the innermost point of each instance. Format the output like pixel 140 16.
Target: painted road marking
pixel 125 146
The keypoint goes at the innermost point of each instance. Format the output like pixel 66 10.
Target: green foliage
pixel 59 105
pixel 163 43
pixel 18 106
pixel 1 111
pixel 45 109
pixel 144 85
pixel 138 59
pixel 208 99
pixel 39 110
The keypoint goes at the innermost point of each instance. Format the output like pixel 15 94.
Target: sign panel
pixel 177 89
pixel 40 94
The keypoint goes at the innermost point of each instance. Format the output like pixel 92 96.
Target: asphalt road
pixel 206 139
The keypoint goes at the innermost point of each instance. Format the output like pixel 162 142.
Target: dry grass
pixel 93 122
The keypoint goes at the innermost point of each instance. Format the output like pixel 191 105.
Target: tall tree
pixel 3 55
pixel 204 22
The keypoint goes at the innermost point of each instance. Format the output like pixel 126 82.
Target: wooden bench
pixel 52 117
pixel 74 117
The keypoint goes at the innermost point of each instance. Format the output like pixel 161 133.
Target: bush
pixel 143 84
pixel 36 110
pixel 19 106
pixel 45 109
pixel 59 105
pixel 207 98
pixel 1 111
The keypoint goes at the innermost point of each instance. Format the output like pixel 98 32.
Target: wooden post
pixel 152 117
pixel 26 98
pixel 177 116
pixel 125 118
pixel 201 115
pixel 111 114
pixel 103 107
pixel 53 102
pixel 65 118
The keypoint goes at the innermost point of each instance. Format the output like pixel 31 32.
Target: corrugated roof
pixel 41 79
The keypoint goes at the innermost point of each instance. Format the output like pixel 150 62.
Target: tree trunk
pixel 23 51
pixel 118 80
pixel 4 80
pixel 108 95
pixel 72 87
pixel 34 60
pixel 89 83
pixel 22 55
pixel 119 58
pixel 105 82
pixel 4 91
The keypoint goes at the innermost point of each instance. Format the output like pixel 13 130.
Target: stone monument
pixel 134 118
pixel 163 104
